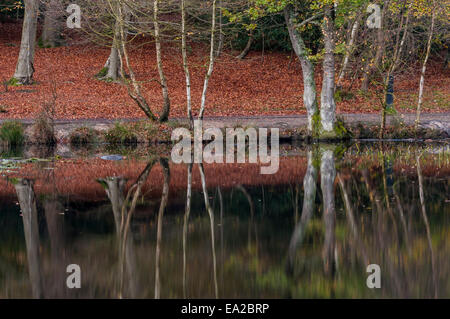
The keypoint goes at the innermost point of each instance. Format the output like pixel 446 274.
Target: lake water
pixel 309 231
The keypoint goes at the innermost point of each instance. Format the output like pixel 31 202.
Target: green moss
pixel 12 133
pixel 13 180
pixel 13 82
pixel 121 134
pixel 102 73
pixel 316 125
pixel 340 132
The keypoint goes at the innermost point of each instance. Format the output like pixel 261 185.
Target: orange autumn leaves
pixel 262 84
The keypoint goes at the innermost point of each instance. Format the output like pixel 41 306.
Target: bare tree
pixel 211 61
pixel 165 92
pixel 186 65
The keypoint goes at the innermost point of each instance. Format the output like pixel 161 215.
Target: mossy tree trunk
pixel 327 103
pixel 309 85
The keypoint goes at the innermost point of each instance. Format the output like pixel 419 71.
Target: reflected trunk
pixel 328 175
pixel 427 227
pixel 351 220
pixel 27 202
pixel 309 197
pixel 211 219
pixel 185 224
pixel 164 198
pixel 54 212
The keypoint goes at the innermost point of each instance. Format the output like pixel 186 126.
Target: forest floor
pixel 262 84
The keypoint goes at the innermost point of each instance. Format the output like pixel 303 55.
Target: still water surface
pixel 309 231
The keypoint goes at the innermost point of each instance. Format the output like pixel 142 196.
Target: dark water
pixel 310 231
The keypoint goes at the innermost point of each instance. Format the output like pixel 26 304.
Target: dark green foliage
pixel 12 133
pixel 8 11
pixel 12 82
pixel 121 134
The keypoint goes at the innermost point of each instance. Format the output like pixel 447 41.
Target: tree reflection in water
pixel 366 211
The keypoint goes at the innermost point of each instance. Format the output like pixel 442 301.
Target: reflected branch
pixel 427 225
pixel 351 219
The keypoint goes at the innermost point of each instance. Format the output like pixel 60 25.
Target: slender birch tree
pixel 424 66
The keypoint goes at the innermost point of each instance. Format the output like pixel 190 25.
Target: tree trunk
pixel 134 91
pixel 25 64
pixel 309 90
pixel 186 65
pixel 211 61
pixel 327 103
pixel 51 33
pixel 424 67
pixel 164 116
pixel 349 50
pixel 244 52
pixel 112 65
